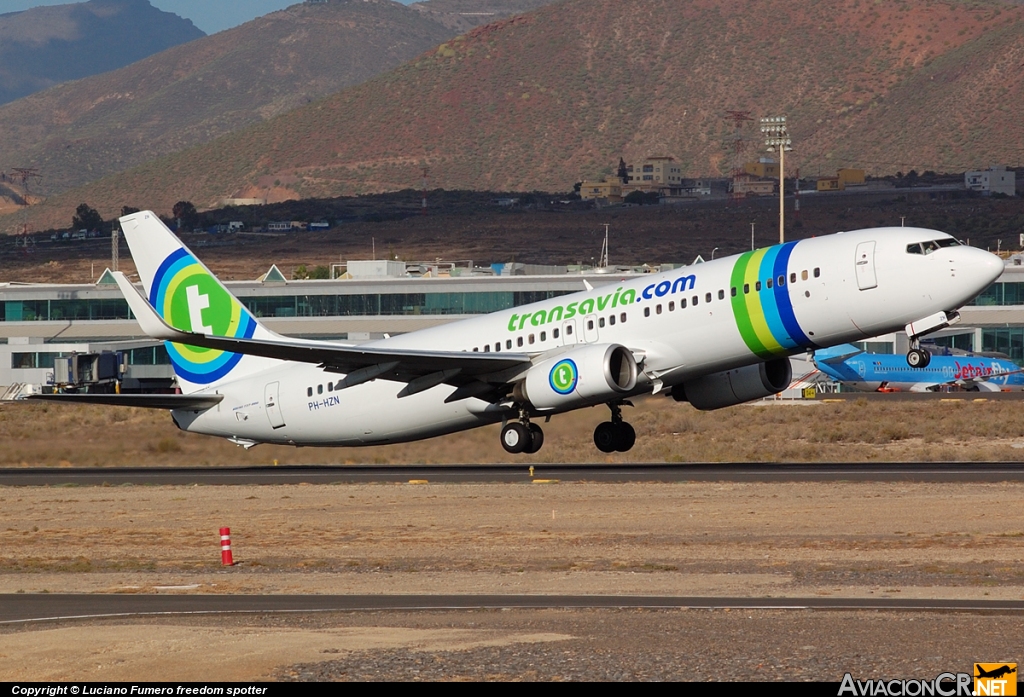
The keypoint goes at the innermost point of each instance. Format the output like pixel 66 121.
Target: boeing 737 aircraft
pixel 870 372
pixel 714 334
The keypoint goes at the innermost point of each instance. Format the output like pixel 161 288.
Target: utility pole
pixel 777 136
pixel 115 238
pixel 423 208
pixel 604 249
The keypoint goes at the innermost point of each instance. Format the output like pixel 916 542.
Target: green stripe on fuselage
pixel 739 307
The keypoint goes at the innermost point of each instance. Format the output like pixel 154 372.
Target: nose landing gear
pixel 614 435
pixel 918 358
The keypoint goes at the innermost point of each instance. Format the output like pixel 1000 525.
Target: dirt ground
pixel 60 435
pixel 749 539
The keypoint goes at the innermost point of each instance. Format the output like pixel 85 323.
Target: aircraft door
pixel 273 405
pixel 866 266
pixel 569 334
pixel 590 329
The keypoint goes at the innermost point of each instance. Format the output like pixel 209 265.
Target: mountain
pixel 462 15
pixel 79 132
pixel 48 45
pixel 541 100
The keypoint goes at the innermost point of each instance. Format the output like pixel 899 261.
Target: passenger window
pixel 330 387
pixel 531 339
pixel 543 336
pixel 590 324
pixel 519 341
pixel 647 312
pixel 746 288
pixel 487 348
pixel 600 321
pixel 508 344
pixel 721 295
pixel 622 316
pixel 707 297
pixel 611 320
pixel 554 333
pixel 768 283
pixel 817 272
pixel 319 389
pixel 782 280
pixel 695 299
pixel 497 346
pixel 757 285
pixel 476 349
pixel 792 277
pixel 657 309
pixel 309 391
pixel 803 275
pixel 732 291
pixel 682 303
pixel 568 330
pixel 672 306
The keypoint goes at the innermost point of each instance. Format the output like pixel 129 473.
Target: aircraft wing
pixel 147 401
pixel 421 369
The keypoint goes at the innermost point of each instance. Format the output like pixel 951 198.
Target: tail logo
pixel 189 298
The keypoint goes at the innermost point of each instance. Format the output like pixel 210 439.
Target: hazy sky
pixel 211 16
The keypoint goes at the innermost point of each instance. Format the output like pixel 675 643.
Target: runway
pixel 542 473
pixel 22 608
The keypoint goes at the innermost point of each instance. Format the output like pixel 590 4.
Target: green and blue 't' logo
pixel 564 376
pixel 190 299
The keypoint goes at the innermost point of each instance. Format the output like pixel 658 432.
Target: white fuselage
pixel 845 289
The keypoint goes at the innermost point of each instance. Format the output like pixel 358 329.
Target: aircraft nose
pixel 978 267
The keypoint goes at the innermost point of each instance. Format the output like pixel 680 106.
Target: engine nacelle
pixel 731 387
pixel 586 375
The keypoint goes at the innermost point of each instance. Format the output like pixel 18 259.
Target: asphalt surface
pixel 354 474
pixel 19 608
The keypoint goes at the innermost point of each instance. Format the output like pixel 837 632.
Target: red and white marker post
pixel 225 547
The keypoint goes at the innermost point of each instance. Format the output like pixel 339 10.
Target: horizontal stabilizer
pixel 145 401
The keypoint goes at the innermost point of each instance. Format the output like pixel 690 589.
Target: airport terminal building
pixel 40 323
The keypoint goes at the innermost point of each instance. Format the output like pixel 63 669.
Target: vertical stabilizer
pixel 189 297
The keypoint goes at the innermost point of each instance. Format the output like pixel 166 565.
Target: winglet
pixel 147 317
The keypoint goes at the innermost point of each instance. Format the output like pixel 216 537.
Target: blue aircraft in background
pixel 872 372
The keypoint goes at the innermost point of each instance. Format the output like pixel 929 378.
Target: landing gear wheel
pixel 625 437
pixel 515 438
pixel 918 358
pixel 536 440
pixel 605 437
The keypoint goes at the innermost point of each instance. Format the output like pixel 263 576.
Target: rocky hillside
pixel 48 45
pixel 544 99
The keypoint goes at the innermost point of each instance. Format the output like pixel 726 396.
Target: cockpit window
pixel 931 246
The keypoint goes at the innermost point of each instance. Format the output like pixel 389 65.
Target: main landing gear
pixel 614 435
pixel 522 436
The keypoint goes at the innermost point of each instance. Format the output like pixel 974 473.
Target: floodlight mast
pixel 777 136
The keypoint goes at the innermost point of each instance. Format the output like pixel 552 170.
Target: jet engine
pixel 586 375
pixel 731 387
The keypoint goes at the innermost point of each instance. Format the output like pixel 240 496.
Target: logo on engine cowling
pixel 564 376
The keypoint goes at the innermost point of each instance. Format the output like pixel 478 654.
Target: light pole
pixel 776 136
pixel 713 253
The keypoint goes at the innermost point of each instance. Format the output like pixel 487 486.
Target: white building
pixel 995 180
